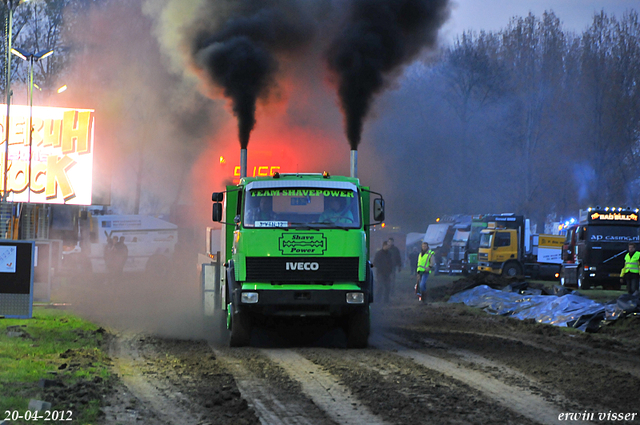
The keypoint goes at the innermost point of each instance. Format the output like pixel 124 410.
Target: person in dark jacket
pixel 121 255
pixel 397 264
pixel 383 266
pixel 110 257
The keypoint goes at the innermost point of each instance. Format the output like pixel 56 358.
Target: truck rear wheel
pixel 357 330
pixel 583 282
pixel 240 329
pixel 511 270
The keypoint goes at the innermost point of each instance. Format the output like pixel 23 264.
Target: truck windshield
pixel 610 234
pixel 302 208
pixel 485 240
pixel 474 236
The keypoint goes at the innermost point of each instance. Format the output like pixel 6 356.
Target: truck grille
pixel 483 256
pixel 306 270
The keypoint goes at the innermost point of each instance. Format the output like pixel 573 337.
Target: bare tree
pixel 535 50
pixel 473 79
pixel 610 73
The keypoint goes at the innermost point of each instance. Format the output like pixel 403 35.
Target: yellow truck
pixel 508 248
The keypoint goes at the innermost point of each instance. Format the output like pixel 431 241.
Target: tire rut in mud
pixel 578 380
pixel 576 366
pixel 324 389
pixel 254 385
pixel 403 392
pixel 269 389
pixel 503 385
pixel 168 381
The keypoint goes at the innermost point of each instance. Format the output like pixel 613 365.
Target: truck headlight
pixel 355 298
pixel 249 297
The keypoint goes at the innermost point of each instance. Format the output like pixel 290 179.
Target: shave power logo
pixel 302 244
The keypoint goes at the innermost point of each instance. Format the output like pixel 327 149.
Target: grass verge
pixel 55 357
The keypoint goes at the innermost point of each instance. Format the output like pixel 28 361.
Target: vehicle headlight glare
pixel 249 297
pixel 355 298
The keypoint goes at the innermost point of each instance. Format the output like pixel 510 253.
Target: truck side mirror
pixel 217 196
pixel 378 209
pixel 216 214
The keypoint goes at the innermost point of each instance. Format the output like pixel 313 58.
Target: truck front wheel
pixel 512 270
pixel 240 329
pixel 357 329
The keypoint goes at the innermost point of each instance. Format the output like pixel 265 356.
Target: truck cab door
pixel 504 246
pixel 581 252
pixel 569 246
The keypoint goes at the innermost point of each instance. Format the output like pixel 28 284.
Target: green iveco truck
pixel 296 245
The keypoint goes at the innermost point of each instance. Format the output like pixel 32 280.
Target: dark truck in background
pixel 594 249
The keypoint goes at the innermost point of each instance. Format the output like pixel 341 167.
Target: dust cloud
pixel 152 124
pixel 167 127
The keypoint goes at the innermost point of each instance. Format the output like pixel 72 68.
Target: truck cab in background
pixel 447 237
pixel 594 248
pixel 508 248
pixel 457 253
pixel 478 224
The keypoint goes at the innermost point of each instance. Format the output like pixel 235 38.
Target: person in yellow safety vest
pixel 425 267
pixel 631 270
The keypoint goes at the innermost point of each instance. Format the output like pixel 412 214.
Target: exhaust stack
pixel 243 163
pixel 354 163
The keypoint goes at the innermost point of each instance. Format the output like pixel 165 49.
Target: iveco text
pixel 303 266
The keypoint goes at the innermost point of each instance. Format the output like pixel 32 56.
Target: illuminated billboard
pixel 61 169
pixel 261 163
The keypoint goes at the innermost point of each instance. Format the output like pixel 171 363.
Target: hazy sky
pixel 575 15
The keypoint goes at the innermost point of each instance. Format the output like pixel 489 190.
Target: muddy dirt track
pixel 438 363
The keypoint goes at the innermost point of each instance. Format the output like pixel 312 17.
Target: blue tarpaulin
pixel 566 310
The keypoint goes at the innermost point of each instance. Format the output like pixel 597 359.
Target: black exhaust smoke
pixel 245 71
pixel 237 47
pixel 378 36
pixel 238 44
